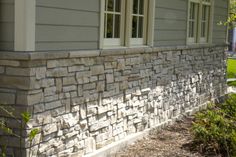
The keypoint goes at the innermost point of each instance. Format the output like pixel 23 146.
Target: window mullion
pixel 199 22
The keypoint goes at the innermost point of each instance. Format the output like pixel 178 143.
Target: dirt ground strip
pixel 173 141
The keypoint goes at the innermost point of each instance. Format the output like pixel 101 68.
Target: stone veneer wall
pixel 82 101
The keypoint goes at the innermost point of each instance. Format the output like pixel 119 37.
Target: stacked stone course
pixel 83 101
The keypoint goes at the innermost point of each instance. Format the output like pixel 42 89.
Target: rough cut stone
pixel 10 63
pixel 7 98
pixel 90 145
pixel 84 103
pixel 2 69
pixel 53 105
pixel 98 69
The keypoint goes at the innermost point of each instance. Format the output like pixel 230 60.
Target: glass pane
pixel 140 27
pixel 141 7
pixel 203 30
pixel 106 5
pixel 117 26
pixel 118 4
pixel 135 6
pixel 191 16
pixel 204 12
pixel 105 28
pixel 190 34
pixel 110 5
pixel 134 27
pixel 109 26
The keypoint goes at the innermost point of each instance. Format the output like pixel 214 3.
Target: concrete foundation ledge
pixel 37 55
pixel 115 147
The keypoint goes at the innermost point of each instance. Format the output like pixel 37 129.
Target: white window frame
pixel 125 39
pixel 197 39
pixel 207 24
pixel 114 41
pixel 139 41
pixel 196 14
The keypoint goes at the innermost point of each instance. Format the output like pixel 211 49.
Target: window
pixel 112 22
pixel 199 17
pixel 127 23
pixel 138 22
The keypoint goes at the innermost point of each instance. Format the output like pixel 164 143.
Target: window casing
pixel 126 23
pixel 199 21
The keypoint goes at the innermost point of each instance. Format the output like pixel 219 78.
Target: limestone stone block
pixel 2 69
pixel 102 137
pixel 89 86
pixel 39 108
pixel 109 78
pixel 76 68
pixel 7 98
pixel 15 82
pixel 68 121
pixel 121 64
pixel 10 63
pixel 97 69
pixel 69 88
pixel 50 91
pixel 100 86
pixel 79 145
pixel 40 72
pixel 20 71
pixel 58 85
pixel 47 82
pixel 49 128
pixel 83 124
pixel 51 98
pixel 69 81
pixel 53 105
pixel 61 63
pixel 58 111
pixel 57 72
pixel 99 125
pixel 83 111
pixel 93 78
pixel 91 111
pixel 90 145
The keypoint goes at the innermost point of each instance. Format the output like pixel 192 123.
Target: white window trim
pixel 140 41
pixel 125 40
pixel 194 38
pixel 24 34
pixel 204 39
pixel 200 40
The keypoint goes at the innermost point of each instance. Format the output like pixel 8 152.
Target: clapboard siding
pixel 7 24
pixel 220 14
pixel 67 24
pixel 170 23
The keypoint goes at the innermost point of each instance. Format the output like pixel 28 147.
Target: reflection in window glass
pixel 193 17
pixel 138 19
pixel 205 20
pixel 112 18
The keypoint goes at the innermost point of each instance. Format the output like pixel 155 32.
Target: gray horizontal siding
pixel 7 24
pixel 170 22
pixel 220 14
pixel 67 24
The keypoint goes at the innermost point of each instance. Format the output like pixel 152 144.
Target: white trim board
pixel 24 39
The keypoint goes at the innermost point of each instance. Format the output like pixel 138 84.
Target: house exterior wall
pixel 170 22
pixel 67 24
pixel 7 24
pixel 220 14
pixel 83 101
pixel 61 25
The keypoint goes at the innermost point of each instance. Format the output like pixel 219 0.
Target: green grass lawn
pixel 231 68
pixel 231 71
